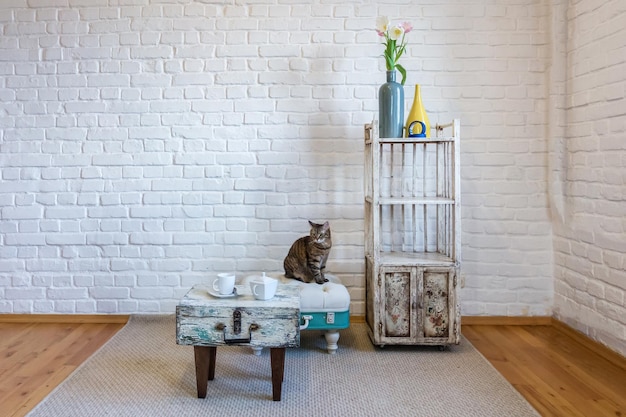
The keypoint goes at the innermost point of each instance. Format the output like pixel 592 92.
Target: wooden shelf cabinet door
pixel 398 316
pixel 439 308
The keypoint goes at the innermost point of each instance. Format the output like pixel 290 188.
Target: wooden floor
pixel 36 357
pixel 556 373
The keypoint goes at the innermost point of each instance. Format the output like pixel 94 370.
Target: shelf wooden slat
pixel 416 200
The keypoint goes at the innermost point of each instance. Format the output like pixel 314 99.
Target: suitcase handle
pixel 233 341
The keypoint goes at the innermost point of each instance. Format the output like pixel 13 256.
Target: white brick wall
pixel 590 243
pixel 148 145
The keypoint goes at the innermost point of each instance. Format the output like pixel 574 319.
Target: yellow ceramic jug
pixel 417 123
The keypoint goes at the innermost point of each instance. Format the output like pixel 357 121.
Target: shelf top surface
pixel 416 140
pixel 423 258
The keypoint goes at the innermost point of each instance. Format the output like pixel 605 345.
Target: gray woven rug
pixel 142 372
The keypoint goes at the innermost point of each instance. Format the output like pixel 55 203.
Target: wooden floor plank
pixel 560 372
pixel 25 402
pixel 582 360
pixel 37 340
pixel 98 337
pixel 591 381
pixel 45 354
pixel 11 337
pixel 507 358
pixel 555 373
pixel 10 331
pixel 582 364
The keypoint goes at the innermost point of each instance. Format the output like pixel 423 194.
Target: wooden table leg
pixel 277 356
pixel 205 367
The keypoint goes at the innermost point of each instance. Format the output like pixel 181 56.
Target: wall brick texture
pixel 589 236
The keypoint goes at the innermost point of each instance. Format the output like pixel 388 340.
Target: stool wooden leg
pixel 277 356
pixel 332 337
pixel 205 367
pixel 212 353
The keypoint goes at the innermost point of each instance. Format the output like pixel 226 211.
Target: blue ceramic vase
pixel 390 108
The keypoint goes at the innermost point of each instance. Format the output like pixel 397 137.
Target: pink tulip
pixel 407 27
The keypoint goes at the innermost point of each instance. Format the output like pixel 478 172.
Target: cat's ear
pixel 326 226
pixel 311 223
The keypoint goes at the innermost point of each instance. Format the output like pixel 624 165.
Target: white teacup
pixel 263 288
pixel 224 283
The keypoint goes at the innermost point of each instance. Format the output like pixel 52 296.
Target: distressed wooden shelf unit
pixel 412 237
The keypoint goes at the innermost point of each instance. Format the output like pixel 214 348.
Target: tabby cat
pixel 307 257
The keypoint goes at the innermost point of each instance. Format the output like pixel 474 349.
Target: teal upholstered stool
pixel 324 307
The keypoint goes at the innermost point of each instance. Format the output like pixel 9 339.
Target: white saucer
pixel 218 295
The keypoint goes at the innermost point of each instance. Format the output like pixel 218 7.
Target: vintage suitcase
pixel 205 320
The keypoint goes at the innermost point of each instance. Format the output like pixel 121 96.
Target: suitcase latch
pixel 237 330
pixel 236 322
